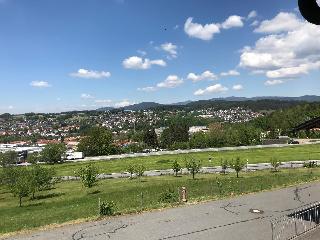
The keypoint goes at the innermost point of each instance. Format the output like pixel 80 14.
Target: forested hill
pixel 287 119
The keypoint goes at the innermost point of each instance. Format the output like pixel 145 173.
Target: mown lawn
pixel 305 152
pixel 70 201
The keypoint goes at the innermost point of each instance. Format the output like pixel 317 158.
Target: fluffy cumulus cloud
pixel 232 21
pixel 207 75
pixel 140 63
pixel 281 23
pixel 172 81
pixel 237 87
pixel 170 48
pixel 86 96
pixel 230 73
pixel 90 74
pixel 204 32
pixel 217 88
pixel 289 48
pixel 40 84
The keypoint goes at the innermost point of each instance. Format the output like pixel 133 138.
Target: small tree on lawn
pixel 224 165
pixel 237 165
pixel 275 163
pixel 139 170
pixel 131 169
pixel 176 167
pixel 193 167
pixel 88 175
pixel 19 181
pixel 41 179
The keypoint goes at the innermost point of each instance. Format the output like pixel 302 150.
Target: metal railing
pixel 299 222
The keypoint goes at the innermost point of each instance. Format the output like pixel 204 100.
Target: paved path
pixel 313 235
pixel 218 220
pixel 216 169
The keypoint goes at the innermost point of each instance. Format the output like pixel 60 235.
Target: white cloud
pixel 217 88
pixel 171 81
pixel 230 73
pixel 273 82
pixel 170 48
pixel 90 74
pixel 123 103
pixel 147 89
pixel 10 107
pixel 281 23
pixel 40 84
pixel 204 32
pixel 86 96
pixel 263 60
pixel 140 63
pixel 232 21
pixel 142 53
pixel 255 23
pixel 237 87
pixel 207 75
pixel 290 51
pixel 252 14
pixel 103 101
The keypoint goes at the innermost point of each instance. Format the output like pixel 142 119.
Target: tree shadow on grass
pixel 50 195
pixel 94 192
pixel 163 161
pixel 33 205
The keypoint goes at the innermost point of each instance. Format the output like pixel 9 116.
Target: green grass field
pixel 70 201
pixel 305 152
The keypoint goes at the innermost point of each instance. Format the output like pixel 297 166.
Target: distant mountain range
pixel 152 105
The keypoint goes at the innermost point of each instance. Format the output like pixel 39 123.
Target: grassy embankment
pixel 70 201
pixel 303 152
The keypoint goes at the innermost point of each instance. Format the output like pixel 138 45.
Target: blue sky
pixel 83 54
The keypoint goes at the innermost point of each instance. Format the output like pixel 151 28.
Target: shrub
pixel 275 163
pixel 168 196
pixel 224 165
pixel 176 167
pixel 310 164
pixel 139 170
pixel 131 169
pixel 107 208
pixel 88 175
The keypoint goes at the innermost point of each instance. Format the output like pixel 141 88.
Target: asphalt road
pixel 218 220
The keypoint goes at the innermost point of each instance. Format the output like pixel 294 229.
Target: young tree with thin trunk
pixel 193 167
pixel 176 167
pixel 237 165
